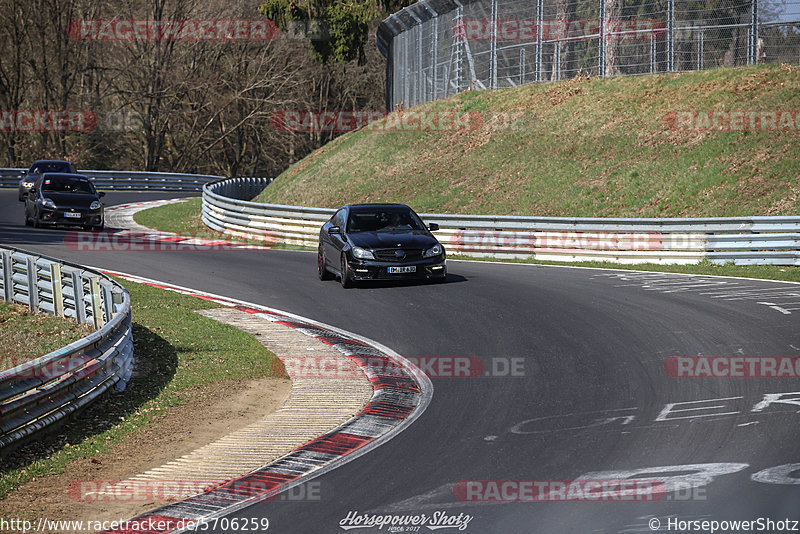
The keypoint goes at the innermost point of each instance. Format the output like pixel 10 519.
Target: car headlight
pixel 47 203
pixel 94 205
pixel 27 184
pixel 362 254
pixel 433 251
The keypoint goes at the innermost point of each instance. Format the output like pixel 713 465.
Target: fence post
pixel 539 22
pixel 8 284
pixel 753 48
pixel 58 295
pixel 700 42
pixel 521 66
pixel 493 48
pixel 670 35
pixel 33 289
pixel 601 67
pixel 407 71
pixel 458 44
pixel 435 57
pixel 557 62
pixel 652 53
pixel 420 89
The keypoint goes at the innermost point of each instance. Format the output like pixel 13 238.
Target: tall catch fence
pixel 436 48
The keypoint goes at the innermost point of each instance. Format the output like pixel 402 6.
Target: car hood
pixel 70 200
pixel 405 239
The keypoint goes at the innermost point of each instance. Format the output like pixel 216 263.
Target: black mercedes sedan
pixel 39 167
pixel 379 242
pixel 64 199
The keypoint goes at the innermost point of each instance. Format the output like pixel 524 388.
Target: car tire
pixel 36 220
pixel 347 276
pixel 322 271
pixel 28 221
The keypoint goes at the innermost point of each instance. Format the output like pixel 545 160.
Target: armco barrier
pixel 740 240
pixel 40 392
pixel 127 180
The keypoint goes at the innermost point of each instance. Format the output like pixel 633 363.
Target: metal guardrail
pixel 127 180
pixel 740 240
pixel 38 393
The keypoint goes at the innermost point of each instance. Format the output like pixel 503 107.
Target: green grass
pixel 765 272
pixel 183 218
pixel 25 335
pixel 584 147
pixel 178 353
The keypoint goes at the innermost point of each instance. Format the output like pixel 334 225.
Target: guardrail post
pixel 77 289
pixel 95 295
pixel 58 294
pixel 33 289
pixel 8 269
pixel 108 303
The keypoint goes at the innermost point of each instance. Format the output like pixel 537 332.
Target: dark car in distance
pixel 38 168
pixel 64 199
pixel 379 242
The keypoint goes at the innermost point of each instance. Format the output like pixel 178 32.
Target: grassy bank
pixel 25 335
pixel 584 147
pixel 179 356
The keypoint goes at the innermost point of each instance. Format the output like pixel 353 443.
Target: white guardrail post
pixel 38 393
pixel 740 240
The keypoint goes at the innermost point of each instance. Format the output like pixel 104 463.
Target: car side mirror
pixel 101 194
pixel 334 230
pixel 433 227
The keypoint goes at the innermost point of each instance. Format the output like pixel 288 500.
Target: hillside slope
pixel 583 147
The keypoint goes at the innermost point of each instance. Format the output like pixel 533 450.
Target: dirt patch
pixel 214 412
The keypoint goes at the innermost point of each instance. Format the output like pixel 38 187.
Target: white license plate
pixel 72 215
pixel 400 270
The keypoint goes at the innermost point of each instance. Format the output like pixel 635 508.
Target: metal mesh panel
pixel 442 47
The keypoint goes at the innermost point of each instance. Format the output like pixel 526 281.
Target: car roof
pixel 359 207
pixel 63 175
pixel 50 161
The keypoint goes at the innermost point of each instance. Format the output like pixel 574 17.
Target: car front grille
pixel 390 254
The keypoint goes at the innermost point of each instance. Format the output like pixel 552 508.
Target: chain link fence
pixel 436 48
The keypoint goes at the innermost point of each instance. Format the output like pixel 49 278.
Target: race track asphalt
pixel 589 393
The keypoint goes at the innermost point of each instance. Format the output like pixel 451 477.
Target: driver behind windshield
pixel 381 221
pixel 67 185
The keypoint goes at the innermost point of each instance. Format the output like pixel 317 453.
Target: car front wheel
pixel 347 276
pixel 322 269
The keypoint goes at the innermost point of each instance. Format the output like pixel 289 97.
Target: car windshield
pixel 383 220
pixel 52 166
pixel 64 184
